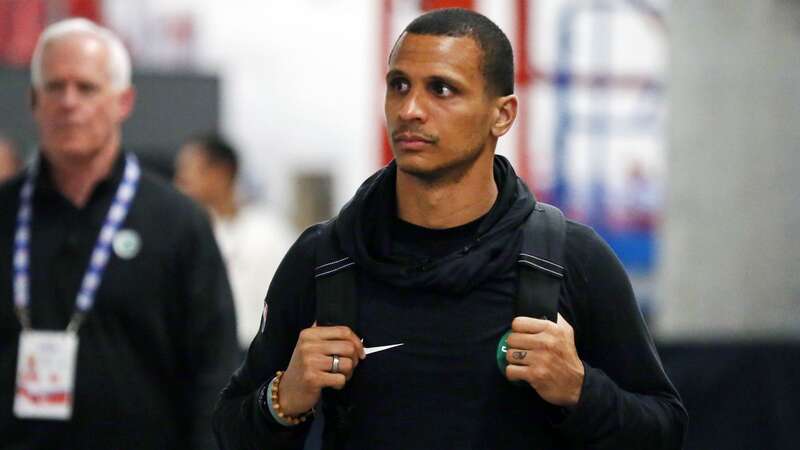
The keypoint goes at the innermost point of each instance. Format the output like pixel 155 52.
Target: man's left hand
pixel 543 354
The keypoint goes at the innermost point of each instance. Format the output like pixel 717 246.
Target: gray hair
pixel 119 61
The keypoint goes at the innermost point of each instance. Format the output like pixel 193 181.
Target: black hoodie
pixel 365 231
pixel 448 296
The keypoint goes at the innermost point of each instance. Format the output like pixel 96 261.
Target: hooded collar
pixel 363 229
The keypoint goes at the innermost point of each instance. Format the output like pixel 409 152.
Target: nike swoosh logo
pixel 368 350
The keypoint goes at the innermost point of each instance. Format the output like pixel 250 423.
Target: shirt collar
pixel 45 184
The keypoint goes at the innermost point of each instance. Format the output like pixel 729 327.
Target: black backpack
pixel 541 259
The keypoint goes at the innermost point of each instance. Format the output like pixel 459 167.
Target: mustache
pixel 414 131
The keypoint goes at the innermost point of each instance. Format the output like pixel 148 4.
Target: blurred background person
pixel 10 162
pixel 115 308
pixel 252 239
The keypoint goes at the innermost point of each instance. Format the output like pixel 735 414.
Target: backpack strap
pixel 337 304
pixel 541 261
pixel 334 274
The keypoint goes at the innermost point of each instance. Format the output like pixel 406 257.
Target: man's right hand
pixel 310 368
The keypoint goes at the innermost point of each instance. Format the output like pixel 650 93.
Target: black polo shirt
pixel 160 340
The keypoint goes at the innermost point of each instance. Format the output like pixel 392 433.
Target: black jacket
pixel 448 295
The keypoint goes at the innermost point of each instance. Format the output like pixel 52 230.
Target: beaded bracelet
pixel 275 407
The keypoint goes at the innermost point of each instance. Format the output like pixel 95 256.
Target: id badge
pixel 45 375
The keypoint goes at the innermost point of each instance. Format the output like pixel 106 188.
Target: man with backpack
pixel 444 307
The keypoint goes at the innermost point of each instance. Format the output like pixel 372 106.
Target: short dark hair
pixel 497 64
pixel 217 149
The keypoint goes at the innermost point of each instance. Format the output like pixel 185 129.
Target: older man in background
pixel 116 320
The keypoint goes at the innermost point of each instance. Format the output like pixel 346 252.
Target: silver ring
pixel 335 364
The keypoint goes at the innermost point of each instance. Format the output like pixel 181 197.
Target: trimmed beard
pixel 451 172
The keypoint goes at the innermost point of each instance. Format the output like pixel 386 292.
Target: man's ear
pixel 127 100
pixel 506 113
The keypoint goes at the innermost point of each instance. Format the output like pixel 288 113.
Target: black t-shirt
pixel 419 243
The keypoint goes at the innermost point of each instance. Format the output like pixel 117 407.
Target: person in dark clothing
pixel 434 239
pixel 116 319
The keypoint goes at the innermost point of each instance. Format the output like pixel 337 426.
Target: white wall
pixel 299 82
pixel 295 92
pixel 732 233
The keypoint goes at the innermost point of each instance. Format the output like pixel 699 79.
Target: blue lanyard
pixel 100 255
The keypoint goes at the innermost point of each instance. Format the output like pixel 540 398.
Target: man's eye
pixel 442 89
pixel 398 85
pixel 54 86
pixel 87 88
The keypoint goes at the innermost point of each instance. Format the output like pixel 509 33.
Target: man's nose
pixel 413 108
pixel 69 97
